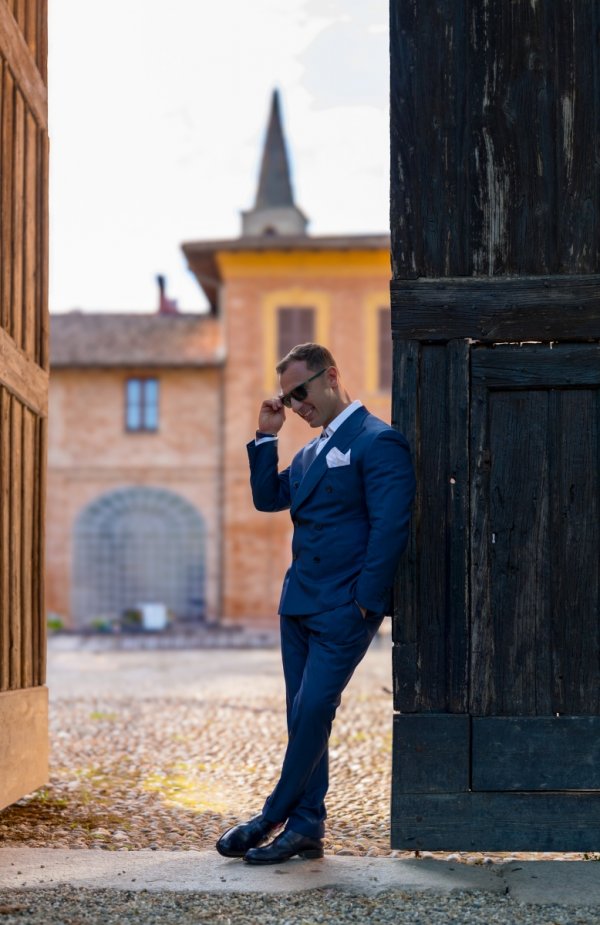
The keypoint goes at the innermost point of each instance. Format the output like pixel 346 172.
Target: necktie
pixel 311 452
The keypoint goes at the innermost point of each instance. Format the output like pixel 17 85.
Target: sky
pixel 157 114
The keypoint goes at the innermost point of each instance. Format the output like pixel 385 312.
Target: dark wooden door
pixel 495 227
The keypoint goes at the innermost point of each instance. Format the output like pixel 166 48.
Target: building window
pixel 141 404
pixel 294 326
pixel 385 349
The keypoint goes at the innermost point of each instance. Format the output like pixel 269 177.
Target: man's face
pixel 322 402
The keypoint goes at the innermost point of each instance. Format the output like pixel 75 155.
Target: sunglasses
pixel 300 392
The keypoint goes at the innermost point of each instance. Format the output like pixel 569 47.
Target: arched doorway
pixel 137 545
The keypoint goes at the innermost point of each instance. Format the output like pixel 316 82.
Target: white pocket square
pixel 335 457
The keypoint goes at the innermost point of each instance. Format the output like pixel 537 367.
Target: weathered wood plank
pixel 531 366
pixel 496 821
pixel 510 657
pixel 42 320
pixel 16 564
pixel 18 222
pixel 542 308
pixel 472 194
pixel 6 212
pixel 22 376
pixel 405 214
pixel 574 568
pixel 536 753
pixel 457 516
pixel 432 575
pixel 5 538
pixel 577 117
pixel 14 48
pixel 520 542
pixel 406 358
pixel 30 27
pixel 23 743
pixel 40 629
pixel 30 237
pixel 3 65
pixel 431 753
pixel 27 575
pixel 42 44
pixel 19 12
pixel 483 691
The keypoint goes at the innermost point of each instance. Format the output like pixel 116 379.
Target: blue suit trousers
pixel 320 653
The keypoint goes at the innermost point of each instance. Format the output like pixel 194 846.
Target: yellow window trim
pixel 374 302
pixel 288 298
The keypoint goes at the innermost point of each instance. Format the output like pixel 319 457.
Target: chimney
pixel 166 306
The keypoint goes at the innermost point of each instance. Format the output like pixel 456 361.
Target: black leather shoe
pixel 236 841
pixel 284 847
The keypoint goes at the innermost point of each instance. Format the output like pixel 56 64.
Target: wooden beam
pixel 536 753
pixel 537 365
pixel 431 753
pixel 23 743
pixel 496 821
pixel 499 309
pixel 14 49
pixel 22 376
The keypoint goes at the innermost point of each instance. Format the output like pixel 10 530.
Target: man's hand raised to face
pixel 271 416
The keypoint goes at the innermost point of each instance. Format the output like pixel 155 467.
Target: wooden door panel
pixel 536 533
pixel 23 394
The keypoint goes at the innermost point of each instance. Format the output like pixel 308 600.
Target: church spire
pixel 274 210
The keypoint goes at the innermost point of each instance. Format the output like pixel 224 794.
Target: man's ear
pixel 333 377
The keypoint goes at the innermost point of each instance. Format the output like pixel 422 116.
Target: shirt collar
pixel 342 416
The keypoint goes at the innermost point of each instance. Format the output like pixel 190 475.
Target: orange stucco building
pixel 269 289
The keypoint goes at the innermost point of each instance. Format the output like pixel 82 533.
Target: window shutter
pixel 294 326
pixel 385 348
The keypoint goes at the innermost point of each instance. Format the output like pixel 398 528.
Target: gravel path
pixel 167 749
pixel 78 907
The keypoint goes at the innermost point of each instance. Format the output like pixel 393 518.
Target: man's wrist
pixel 262 434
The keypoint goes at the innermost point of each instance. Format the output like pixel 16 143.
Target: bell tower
pixel 274 211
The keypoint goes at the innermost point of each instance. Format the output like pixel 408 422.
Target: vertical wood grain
pixel 39 549
pixel 42 320
pixel 6 212
pixel 457 518
pixel 18 220
pixel 28 577
pixel 42 41
pixel 406 362
pixel 30 27
pixel 30 240
pixel 16 563
pixel 574 567
pixel 5 537
pixel 473 191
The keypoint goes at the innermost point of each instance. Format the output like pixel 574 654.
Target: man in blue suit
pixel 349 493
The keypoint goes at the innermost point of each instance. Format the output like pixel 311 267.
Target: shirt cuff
pixel 265 439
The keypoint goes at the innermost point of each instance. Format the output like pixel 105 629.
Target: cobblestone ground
pixel 167 749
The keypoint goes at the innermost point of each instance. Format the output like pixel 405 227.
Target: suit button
pixel 328 489
pixel 316 558
pixel 295 556
pixel 318 526
pixel 296 484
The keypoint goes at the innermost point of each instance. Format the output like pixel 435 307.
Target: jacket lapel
pixel 342 438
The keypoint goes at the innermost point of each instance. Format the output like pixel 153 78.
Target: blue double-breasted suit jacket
pixel 350 520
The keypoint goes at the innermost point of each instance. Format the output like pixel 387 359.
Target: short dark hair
pixel 314 355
